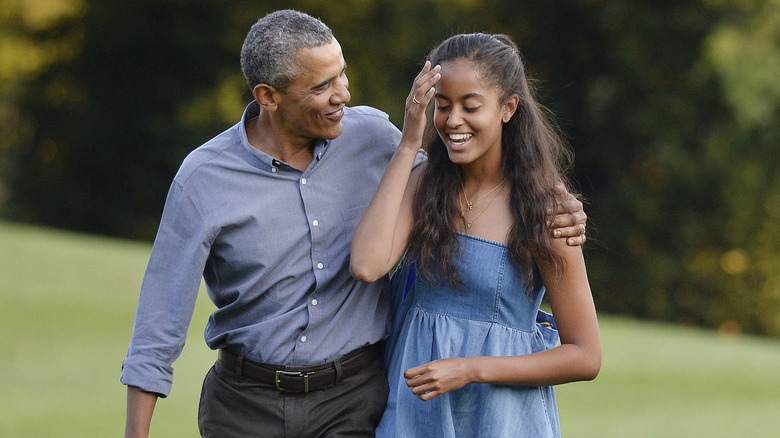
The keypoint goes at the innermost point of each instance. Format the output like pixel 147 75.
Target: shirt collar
pixel 253 110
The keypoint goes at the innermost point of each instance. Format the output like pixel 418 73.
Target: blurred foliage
pixel 671 107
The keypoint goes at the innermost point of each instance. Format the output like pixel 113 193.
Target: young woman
pixel 468 356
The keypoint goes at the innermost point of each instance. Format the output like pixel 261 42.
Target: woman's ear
pixel 267 96
pixel 509 107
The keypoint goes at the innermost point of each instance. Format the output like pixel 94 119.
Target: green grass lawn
pixel 66 311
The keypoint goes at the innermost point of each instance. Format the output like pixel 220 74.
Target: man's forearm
pixel 140 407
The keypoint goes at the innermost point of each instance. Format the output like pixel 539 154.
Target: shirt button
pixel 314 302
pixel 320 266
pixel 303 181
pixel 315 222
pixel 273 169
pixel 303 338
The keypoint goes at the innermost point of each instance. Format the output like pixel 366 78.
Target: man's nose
pixel 341 95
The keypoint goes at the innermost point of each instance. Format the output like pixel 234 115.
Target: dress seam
pixel 481 239
pixel 499 283
pixel 546 411
pixel 531 332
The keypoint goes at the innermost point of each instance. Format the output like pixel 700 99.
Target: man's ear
pixel 267 96
pixel 509 108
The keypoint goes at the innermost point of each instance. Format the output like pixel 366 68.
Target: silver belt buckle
pixel 279 373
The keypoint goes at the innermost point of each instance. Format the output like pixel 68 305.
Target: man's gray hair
pixel 268 54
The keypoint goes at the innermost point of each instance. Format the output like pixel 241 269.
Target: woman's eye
pixel 470 109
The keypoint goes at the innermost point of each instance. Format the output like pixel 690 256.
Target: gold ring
pixel 414 99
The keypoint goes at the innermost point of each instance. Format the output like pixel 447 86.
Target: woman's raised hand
pixel 422 93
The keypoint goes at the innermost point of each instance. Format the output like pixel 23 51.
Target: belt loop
pixel 240 367
pixel 339 373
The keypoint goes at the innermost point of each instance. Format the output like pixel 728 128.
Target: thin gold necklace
pixel 463 212
pixel 471 204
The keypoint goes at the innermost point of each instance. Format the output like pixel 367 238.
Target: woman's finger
pixel 415 371
pixel 423 85
pixel 422 389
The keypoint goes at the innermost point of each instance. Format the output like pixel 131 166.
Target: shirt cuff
pixel 421 157
pixel 148 374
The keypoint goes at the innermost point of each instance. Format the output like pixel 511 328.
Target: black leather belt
pixel 300 378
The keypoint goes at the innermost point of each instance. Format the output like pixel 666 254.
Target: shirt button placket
pixel 310 209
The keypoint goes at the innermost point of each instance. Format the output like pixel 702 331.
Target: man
pixel 265 212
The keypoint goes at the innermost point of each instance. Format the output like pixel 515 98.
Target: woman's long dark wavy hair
pixel 534 161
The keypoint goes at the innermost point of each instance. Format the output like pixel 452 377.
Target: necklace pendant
pixel 468 226
pixel 469 205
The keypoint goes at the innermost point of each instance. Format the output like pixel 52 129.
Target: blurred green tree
pixel 683 162
pixel 107 123
pixel 670 106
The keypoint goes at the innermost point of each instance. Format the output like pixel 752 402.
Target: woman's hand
pixel 422 93
pixel 438 377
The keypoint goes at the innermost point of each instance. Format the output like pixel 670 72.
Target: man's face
pixel 313 105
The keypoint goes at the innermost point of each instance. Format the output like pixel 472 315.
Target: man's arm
pixel 570 219
pixel 140 407
pixel 165 305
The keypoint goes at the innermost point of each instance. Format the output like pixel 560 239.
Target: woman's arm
pixel 383 232
pixel 577 358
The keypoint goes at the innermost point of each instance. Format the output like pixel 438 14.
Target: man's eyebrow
pixel 328 81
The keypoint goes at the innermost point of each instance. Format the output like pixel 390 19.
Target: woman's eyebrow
pixel 465 96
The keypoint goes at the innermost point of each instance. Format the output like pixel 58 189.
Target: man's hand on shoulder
pixel 570 219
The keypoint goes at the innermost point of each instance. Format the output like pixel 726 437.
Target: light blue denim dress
pixel 490 314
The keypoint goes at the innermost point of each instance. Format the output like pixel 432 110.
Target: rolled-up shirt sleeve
pixel 168 294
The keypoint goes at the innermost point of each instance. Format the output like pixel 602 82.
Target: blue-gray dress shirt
pixel 272 244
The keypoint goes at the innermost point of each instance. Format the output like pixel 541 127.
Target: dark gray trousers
pixel 231 406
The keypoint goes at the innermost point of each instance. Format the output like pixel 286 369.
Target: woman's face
pixel 469 114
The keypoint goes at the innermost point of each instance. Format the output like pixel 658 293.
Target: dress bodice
pixel 491 289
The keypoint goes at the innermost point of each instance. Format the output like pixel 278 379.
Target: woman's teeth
pixel 460 138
